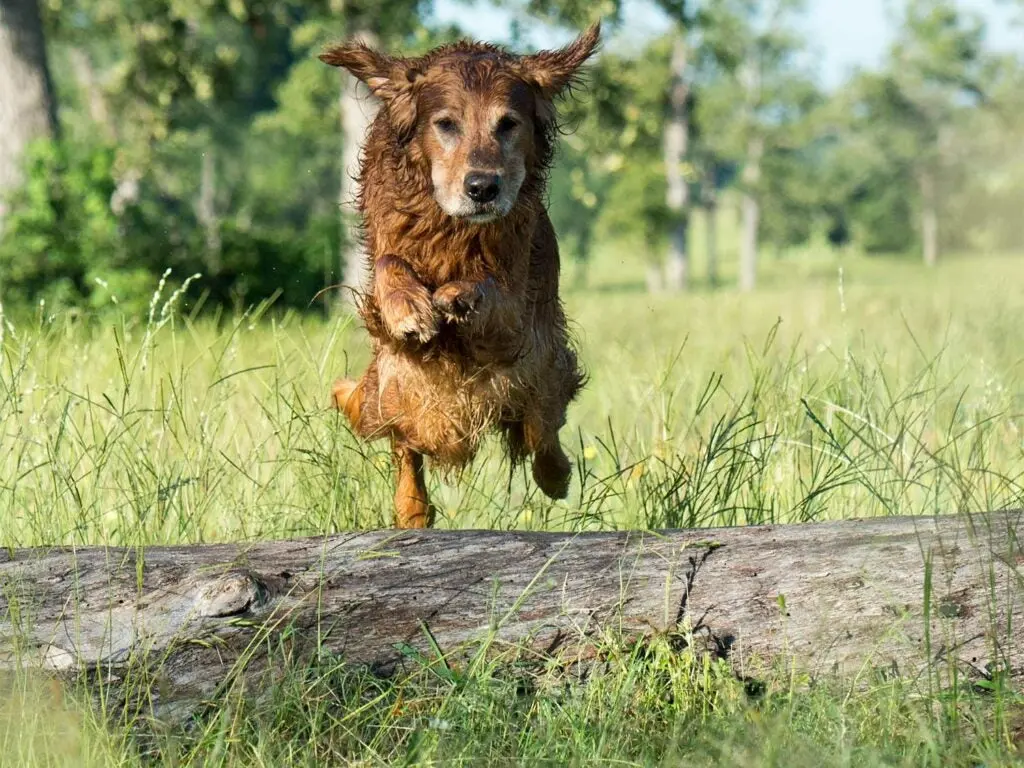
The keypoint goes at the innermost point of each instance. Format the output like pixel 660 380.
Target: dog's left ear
pixel 551 72
pixel 389 78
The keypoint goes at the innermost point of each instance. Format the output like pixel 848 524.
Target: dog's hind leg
pixel 412 507
pixel 542 420
pixel 552 469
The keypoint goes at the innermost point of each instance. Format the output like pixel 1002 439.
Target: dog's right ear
pixel 376 69
pixel 389 78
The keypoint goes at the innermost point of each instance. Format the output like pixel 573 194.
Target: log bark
pixel 838 597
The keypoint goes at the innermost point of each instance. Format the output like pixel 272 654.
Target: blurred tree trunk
pixel 357 112
pixel 581 277
pixel 27 105
pixel 655 273
pixel 751 214
pixel 677 197
pixel 711 235
pixel 750 76
pixel 653 277
pixel 709 203
pixel 929 217
pixel 206 209
pixel 89 82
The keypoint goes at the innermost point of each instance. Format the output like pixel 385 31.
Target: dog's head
pixel 481 117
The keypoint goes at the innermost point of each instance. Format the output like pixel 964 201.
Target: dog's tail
pixel 348 398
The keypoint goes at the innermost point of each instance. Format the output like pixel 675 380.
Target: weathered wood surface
pixel 832 596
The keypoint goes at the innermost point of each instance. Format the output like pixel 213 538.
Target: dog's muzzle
pixel 482 188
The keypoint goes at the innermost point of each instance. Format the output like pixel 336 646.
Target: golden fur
pixel 462 306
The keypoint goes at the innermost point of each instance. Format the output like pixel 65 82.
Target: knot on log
pixel 56 658
pixel 231 594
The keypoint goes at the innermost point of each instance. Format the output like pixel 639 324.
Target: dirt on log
pixel 831 597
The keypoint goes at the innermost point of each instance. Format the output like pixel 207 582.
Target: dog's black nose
pixel 482 187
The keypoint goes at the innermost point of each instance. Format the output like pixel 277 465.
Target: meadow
pixel 844 387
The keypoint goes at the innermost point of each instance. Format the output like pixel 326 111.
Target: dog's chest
pixel 444 260
pixel 441 252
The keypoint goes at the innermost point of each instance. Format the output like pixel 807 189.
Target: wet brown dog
pixel 463 308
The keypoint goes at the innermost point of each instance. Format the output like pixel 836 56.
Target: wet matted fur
pixel 462 303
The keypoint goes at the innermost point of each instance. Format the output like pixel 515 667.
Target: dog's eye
pixel 507 123
pixel 447 125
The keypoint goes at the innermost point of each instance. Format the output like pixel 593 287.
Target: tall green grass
pixel 878 395
pixel 652 705
pixel 838 390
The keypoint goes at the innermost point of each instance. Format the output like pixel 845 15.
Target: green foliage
pixel 609 181
pixel 574 13
pixel 61 241
pixel 898 124
pixel 64 245
pixel 224 130
pixel 221 141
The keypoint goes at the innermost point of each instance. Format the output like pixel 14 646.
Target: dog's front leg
pixel 486 314
pixel 466 302
pixel 479 306
pixel 405 303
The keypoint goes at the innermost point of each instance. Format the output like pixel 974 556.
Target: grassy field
pixel 840 389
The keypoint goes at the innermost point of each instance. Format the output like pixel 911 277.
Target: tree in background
pixel 895 153
pixel 754 95
pixel 983 180
pixel 664 91
pixel 27 105
pixel 713 174
pixel 203 136
pixel 371 23
pixel 171 89
pixel 591 155
pixel 591 150
pixel 636 211
pixel 676 132
pixel 936 67
pixel 672 216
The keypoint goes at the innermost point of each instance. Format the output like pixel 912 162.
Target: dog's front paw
pixel 459 300
pixel 409 315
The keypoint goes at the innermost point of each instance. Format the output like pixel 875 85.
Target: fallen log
pixel 894 593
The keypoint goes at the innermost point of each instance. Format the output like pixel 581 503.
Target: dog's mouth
pixel 463 208
pixel 483 214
